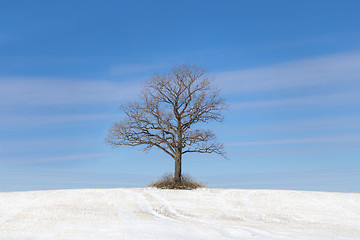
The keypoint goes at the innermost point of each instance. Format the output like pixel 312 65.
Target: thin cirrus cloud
pixel 296 150
pixel 342 139
pixel 281 147
pixel 118 70
pixel 34 160
pixel 319 124
pixel 344 98
pixel 52 91
pixel 331 69
pixel 4 38
pixel 23 121
pixel 39 144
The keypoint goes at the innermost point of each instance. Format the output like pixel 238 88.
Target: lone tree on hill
pixel 170 107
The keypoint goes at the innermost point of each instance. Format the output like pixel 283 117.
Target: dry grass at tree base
pixel 167 182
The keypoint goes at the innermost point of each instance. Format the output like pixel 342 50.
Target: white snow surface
pixel 146 213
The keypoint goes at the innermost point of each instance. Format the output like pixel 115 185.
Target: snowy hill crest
pixel 137 213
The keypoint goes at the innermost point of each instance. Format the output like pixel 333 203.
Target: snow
pixel 145 213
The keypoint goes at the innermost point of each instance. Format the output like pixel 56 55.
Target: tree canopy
pixel 166 116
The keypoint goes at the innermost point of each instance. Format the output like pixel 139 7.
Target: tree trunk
pixel 178 151
pixel 177 173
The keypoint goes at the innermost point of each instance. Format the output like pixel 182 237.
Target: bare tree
pixel 171 105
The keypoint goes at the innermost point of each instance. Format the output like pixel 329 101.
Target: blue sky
pixel 290 71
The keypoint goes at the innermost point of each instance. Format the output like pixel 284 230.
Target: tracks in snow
pixel 162 209
pixel 164 214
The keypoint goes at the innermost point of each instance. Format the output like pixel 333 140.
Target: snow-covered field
pixel 137 213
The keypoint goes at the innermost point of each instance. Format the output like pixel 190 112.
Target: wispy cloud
pixel 21 121
pixel 4 38
pixel 307 125
pixel 50 91
pixel 295 151
pixel 118 70
pixel 36 160
pixel 297 141
pixel 283 147
pixel 344 98
pixel 331 69
pixel 45 144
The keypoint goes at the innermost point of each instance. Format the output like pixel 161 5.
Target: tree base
pixel 167 182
